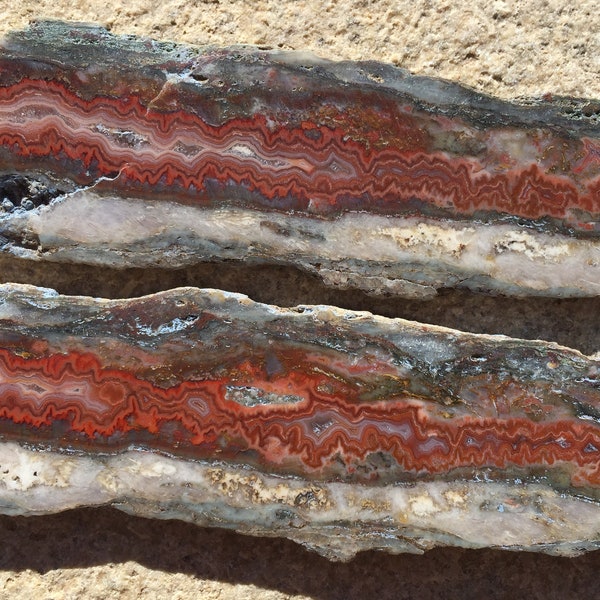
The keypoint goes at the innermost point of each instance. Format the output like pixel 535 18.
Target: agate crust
pixel 342 430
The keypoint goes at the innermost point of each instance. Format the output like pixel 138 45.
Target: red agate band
pixel 259 129
pixel 318 430
pixel 323 395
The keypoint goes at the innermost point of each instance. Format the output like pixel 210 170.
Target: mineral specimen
pixel 164 154
pixel 341 430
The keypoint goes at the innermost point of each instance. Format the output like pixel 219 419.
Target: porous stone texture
pixel 503 48
pixel 506 48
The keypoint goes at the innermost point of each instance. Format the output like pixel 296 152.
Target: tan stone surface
pixel 501 47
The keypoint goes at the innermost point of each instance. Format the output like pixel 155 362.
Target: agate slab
pixel 341 430
pixel 165 154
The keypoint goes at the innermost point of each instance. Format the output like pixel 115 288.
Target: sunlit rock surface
pixel 341 430
pixel 122 151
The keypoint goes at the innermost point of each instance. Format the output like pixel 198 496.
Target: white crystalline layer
pixel 336 519
pixel 382 254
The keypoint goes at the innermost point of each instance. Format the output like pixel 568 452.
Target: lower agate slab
pixel 340 430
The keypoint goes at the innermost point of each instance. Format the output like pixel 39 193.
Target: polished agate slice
pixel 120 151
pixel 341 430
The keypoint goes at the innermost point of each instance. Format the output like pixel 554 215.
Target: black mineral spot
pixel 25 192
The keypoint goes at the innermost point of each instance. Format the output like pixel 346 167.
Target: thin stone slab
pixel 123 151
pixel 341 430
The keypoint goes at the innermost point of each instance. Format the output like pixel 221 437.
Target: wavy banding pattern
pixel 303 394
pixel 320 429
pixel 317 168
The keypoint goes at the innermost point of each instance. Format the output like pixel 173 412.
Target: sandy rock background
pixel 502 47
pixel 506 48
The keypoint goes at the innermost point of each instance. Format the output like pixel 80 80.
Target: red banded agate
pixel 358 172
pixel 341 430
pixel 301 422
pixel 320 159
pixel 318 393
pixel 288 133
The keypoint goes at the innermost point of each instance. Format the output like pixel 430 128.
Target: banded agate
pixel 341 430
pixel 152 153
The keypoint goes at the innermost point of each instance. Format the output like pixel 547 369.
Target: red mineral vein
pixel 321 166
pixel 326 419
